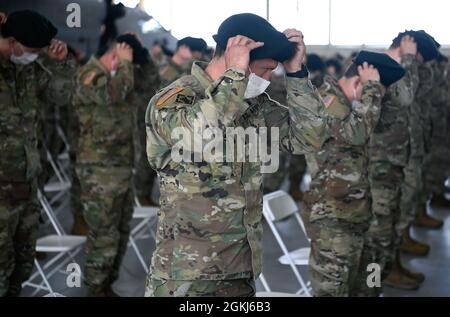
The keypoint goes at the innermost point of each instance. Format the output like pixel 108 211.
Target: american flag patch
pixel 328 100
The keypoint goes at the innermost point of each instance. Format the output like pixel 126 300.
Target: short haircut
pixel 219 51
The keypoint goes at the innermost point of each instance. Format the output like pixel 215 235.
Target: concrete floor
pixel 436 265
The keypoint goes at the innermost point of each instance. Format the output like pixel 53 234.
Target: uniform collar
pixel 198 71
pixel 95 61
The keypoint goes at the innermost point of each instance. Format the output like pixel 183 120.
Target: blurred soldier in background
pixel 146 83
pixel 188 49
pixel 26 85
pixel 389 155
pixel 104 161
pixel 337 208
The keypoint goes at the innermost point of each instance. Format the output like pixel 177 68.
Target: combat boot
pixel 426 221
pixel 397 279
pixel 411 246
pixel 417 276
pixel 440 201
pixel 80 227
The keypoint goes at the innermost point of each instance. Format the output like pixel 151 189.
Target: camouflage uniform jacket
pixel 210 216
pixel 340 186
pixel 23 91
pixel 390 141
pixel 105 116
pixel 171 72
pixel 419 114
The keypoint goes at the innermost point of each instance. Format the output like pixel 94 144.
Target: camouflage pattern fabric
pixel 198 288
pixel 291 165
pixel 104 166
pixel 389 153
pixel 24 89
pixel 438 159
pixel 147 81
pixel 210 217
pixel 171 72
pixel 336 209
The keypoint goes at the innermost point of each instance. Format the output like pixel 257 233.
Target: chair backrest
pixel 278 206
pixel 50 214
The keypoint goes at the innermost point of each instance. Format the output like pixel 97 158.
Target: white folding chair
pixel 146 217
pixel 62 184
pixel 269 293
pixel 65 247
pixel 279 206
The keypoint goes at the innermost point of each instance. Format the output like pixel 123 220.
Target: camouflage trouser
pixel 107 204
pixel 338 261
pixel 19 222
pixel 199 288
pixel 144 175
pixel 385 184
pixel 410 189
pixel 273 181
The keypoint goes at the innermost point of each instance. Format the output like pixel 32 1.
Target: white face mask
pixel 256 86
pixel 24 59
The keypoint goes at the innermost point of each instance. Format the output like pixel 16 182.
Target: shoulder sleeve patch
pixel 329 100
pixel 89 77
pixel 169 94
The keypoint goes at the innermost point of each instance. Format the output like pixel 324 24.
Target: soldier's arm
pixel 176 110
pixel 56 83
pixel 94 86
pixel 405 89
pixel 302 124
pixel 359 125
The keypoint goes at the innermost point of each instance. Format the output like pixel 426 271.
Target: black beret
pixel 29 28
pixel 195 44
pixel 140 54
pixel 276 45
pixel 390 71
pixel 334 62
pixel 426 44
pixel 314 63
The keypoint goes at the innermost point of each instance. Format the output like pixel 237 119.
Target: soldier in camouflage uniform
pixel 389 153
pixel 336 209
pixel 188 49
pixel 105 153
pixel 146 83
pixel 209 231
pixel 438 162
pixel 25 85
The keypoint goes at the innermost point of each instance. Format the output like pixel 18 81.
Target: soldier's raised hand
pixel 124 52
pixel 57 50
pixel 295 63
pixel 237 53
pixel 408 46
pixel 368 72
